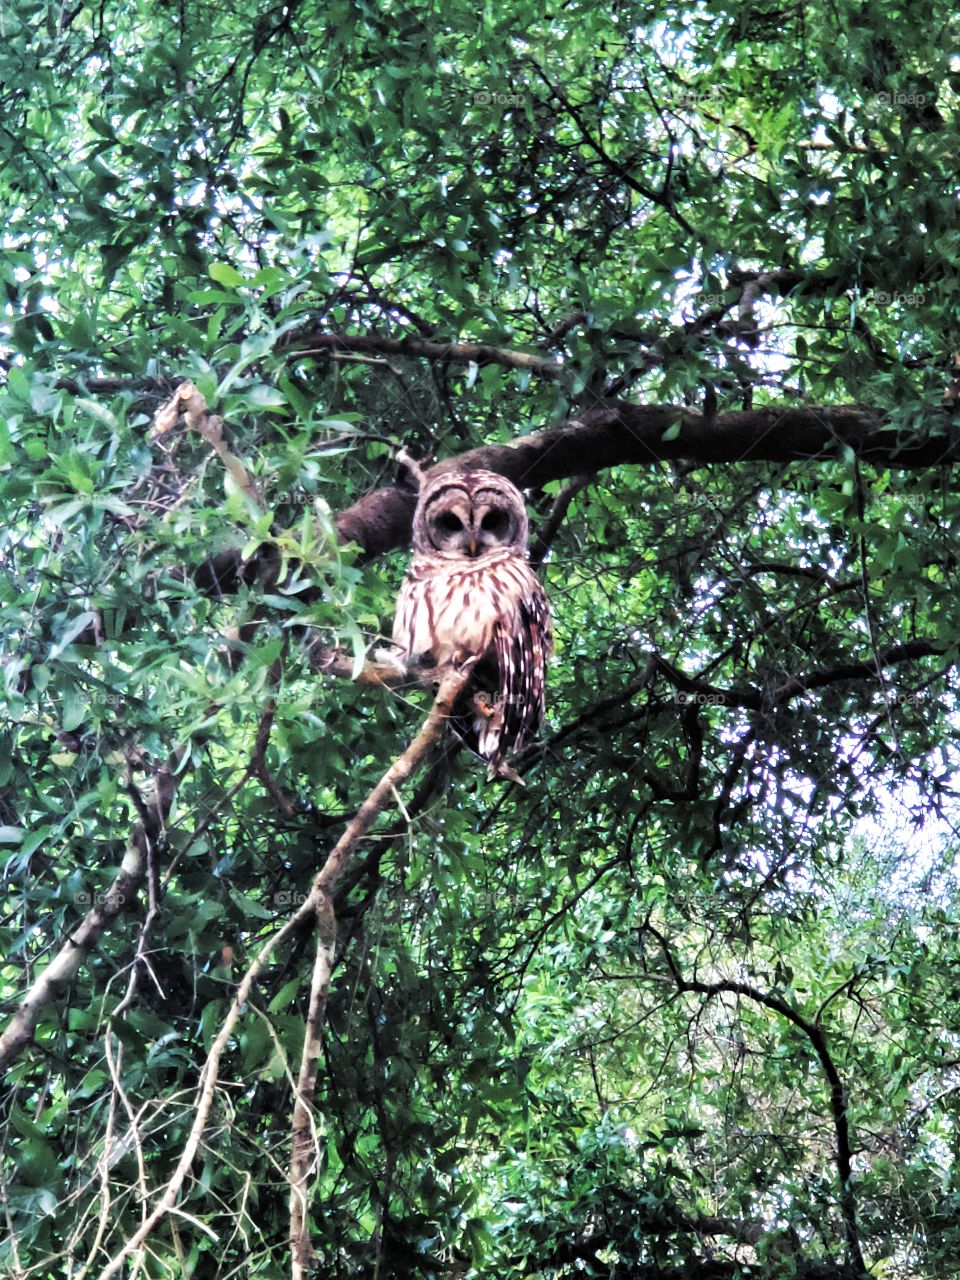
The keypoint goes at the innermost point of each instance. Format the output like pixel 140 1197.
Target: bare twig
pixel 413 466
pixel 334 662
pixel 109 1155
pixel 188 403
pixel 317 906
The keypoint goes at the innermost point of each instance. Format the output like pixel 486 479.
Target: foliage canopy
pixel 687 1005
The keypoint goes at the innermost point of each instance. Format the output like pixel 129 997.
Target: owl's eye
pixel 449 523
pixel 494 521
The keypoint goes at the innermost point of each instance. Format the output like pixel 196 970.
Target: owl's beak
pixel 473 546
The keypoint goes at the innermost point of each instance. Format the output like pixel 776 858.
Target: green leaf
pixel 224 274
pixel 285 996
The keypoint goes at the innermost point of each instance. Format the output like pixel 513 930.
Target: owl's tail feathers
pixel 488 727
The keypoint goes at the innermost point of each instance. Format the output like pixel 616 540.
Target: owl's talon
pixel 504 771
pixel 392 658
pixel 483 706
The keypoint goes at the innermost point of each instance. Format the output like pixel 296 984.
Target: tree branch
pixel 65 965
pixel 321 897
pixel 479 353
pixel 838 1094
pixel 544 539
pixel 757 698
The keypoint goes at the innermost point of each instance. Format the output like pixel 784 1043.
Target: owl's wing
pixel 522 650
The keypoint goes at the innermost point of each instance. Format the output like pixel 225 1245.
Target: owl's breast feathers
pixel 450 610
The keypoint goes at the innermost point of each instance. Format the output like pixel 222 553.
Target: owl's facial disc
pixel 483 514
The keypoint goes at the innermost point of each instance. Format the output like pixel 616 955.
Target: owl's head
pixel 469 514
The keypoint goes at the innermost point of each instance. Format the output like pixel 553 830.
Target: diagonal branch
pixel 544 541
pixel 65 965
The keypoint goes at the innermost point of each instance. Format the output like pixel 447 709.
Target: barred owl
pixel 470 595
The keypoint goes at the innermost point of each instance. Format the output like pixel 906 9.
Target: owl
pixel 471 597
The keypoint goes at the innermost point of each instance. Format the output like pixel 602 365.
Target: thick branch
pixel 616 433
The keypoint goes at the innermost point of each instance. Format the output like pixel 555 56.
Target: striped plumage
pixel 471 595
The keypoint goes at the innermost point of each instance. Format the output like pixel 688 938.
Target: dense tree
pixel 685 1005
